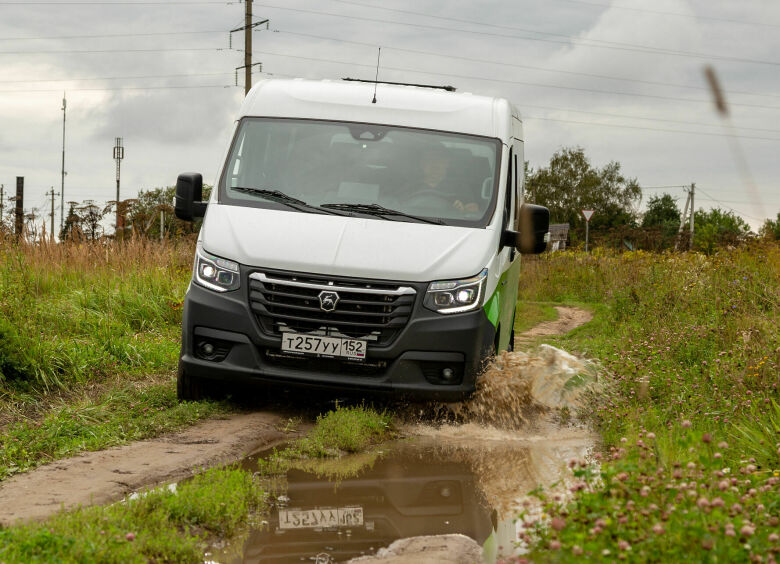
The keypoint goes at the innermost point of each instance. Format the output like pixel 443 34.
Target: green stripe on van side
pixel 492 309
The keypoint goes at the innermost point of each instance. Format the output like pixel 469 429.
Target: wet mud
pixel 465 471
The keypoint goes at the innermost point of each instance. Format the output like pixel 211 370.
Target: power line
pixel 110 35
pixel 77 51
pixel 490 24
pixel 520 82
pixel 120 3
pixel 515 65
pixel 706 133
pixel 121 88
pixel 573 39
pixel 662 187
pixel 706 195
pixel 114 77
pixel 678 14
pixel 502 26
pixel 626 116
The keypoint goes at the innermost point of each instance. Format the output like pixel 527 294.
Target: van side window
pixel 509 190
pixel 518 176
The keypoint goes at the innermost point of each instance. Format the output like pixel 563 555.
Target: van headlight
pixel 216 273
pixel 455 296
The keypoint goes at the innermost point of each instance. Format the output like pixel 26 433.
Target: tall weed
pixel 73 312
pixel 688 341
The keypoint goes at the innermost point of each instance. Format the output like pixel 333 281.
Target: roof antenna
pixel 376 78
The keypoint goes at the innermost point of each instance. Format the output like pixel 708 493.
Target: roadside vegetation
pixel 529 314
pixel 177 525
pixel 89 339
pixel 159 526
pixel 689 412
pixel 343 430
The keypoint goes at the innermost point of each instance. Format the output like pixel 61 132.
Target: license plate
pixel 324 346
pixel 320 518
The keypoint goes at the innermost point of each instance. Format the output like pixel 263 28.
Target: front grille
pixel 365 310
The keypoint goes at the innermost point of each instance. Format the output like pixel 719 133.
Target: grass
pixel 74 313
pixel 691 352
pixel 123 414
pixel 176 526
pixel 89 340
pixel 160 526
pixel 344 430
pixel 528 314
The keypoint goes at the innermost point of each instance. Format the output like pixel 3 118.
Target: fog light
pixel 448 374
pixel 205 350
pixel 214 350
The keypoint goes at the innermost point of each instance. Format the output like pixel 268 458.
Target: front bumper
pixel 411 365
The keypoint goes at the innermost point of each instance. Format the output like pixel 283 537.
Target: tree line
pixel 567 185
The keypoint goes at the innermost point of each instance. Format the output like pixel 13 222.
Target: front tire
pixel 188 387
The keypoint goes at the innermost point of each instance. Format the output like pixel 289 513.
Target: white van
pixel 360 237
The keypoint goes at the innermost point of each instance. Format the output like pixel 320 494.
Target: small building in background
pixel 559 234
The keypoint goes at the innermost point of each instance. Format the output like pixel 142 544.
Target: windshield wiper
pixel 380 211
pixel 282 198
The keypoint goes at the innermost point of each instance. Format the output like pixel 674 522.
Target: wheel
pixel 188 387
pixel 511 346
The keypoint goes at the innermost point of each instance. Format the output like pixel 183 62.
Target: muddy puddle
pixel 333 511
pixel 469 472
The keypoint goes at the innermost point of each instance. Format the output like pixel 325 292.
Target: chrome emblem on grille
pixel 328 300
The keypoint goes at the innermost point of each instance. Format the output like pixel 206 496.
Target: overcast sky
pixel 621 79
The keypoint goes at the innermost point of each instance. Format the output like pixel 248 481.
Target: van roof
pixel 408 106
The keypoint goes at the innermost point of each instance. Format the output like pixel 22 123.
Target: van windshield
pixel 445 177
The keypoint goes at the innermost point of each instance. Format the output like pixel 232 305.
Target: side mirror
pixel 533 235
pixel 189 193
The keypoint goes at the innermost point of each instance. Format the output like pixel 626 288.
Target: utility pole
pixel 2 205
pixel 119 154
pixel 51 215
pixel 162 224
pixel 683 217
pixel 693 192
pixel 247 29
pixel 248 47
pixel 19 215
pixel 62 187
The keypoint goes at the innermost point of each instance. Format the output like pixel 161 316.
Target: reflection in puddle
pixel 334 510
pixel 469 476
pixel 404 491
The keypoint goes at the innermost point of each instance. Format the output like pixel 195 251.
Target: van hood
pixel 345 246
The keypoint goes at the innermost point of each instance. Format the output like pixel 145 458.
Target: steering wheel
pixel 430 198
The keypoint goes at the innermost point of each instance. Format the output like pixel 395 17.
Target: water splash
pixel 518 386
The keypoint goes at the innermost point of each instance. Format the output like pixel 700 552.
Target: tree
pixel 661 221
pixel 716 227
pixel 771 229
pixel 570 184
pixel 90 216
pixel 71 228
pixel 144 214
pixel 661 211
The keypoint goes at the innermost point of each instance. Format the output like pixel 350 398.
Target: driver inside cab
pixel 435 164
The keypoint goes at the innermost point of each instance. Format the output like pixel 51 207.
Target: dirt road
pixel 568 318
pixel 106 476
